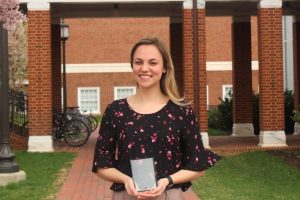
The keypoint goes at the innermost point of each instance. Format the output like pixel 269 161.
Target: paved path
pixel 82 184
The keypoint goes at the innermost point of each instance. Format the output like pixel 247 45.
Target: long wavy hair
pixel 168 84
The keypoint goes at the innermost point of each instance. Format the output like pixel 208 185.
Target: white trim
pixel 223 90
pixel 40 144
pixel 226 66
pixel 38 5
pixel 125 67
pixel 123 87
pixel 270 4
pixel 98 97
pixel 188 4
pixel 242 129
pixel 272 139
pixel 97 68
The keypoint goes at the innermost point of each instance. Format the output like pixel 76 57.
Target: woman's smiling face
pixel 148 66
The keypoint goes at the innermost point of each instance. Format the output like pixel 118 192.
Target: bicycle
pixel 72 130
pixel 90 120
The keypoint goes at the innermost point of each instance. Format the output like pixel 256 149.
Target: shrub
pixel 222 117
pixel 288 110
pixel 214 118
pixel 226 117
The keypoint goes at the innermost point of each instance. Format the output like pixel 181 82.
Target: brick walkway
pixel 82 184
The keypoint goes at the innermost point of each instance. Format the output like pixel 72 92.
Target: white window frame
pixel 98 97
pixel 224 90
pixel 123 87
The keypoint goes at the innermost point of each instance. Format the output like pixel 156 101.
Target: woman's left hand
pixel 161 186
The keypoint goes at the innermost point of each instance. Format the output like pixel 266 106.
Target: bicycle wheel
pixel 76 133
pixel 94 122
pixel 86 121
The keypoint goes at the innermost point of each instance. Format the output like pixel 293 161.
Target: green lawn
pixel 249 176
pixel 43 176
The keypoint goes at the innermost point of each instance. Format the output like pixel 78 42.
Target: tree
pixel 10 15
pixel 17 47
pixel 11 18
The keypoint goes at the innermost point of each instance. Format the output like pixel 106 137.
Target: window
pixel 89 99
pixel 227 91
pixel 123 92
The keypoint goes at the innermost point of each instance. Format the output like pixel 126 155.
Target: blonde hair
pixel 168 84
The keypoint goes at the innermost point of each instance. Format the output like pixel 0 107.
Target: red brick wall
pixel 105 40
pixel 297 64
pixel 203 117
pixel 241 73
pixel 39 73
pixel 218 32
pixel 218 38
pixel 18 142
pixel 215 80
pixel 188 72
pixel 106 82
pixel 271 69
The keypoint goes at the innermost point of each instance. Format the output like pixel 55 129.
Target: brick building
pixel 239 44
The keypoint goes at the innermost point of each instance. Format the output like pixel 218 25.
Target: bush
pixel 226 117
pixel 214 118
pixel 222 117
pixel 288 110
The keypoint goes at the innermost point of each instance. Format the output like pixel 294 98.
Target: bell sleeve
pixel 105 149
pixel 195 156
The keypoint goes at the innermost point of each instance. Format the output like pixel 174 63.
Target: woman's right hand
pixel 129 186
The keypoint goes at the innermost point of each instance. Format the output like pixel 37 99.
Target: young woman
pixel 154 123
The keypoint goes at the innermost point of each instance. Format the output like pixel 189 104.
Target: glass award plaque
pixel 143 174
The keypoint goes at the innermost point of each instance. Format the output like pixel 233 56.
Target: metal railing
pixel 18 107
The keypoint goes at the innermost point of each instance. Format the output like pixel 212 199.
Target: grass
pixel 44 175
pixel 249 176
pixel 217 132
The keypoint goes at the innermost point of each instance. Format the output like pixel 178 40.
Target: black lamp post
pixel 7 158
pixel 64 34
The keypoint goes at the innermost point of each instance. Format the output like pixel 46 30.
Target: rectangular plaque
pixel 143 174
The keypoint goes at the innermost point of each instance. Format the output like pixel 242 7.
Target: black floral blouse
pixel 170 136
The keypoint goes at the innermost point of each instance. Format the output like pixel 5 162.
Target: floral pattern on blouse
pixel 171 136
